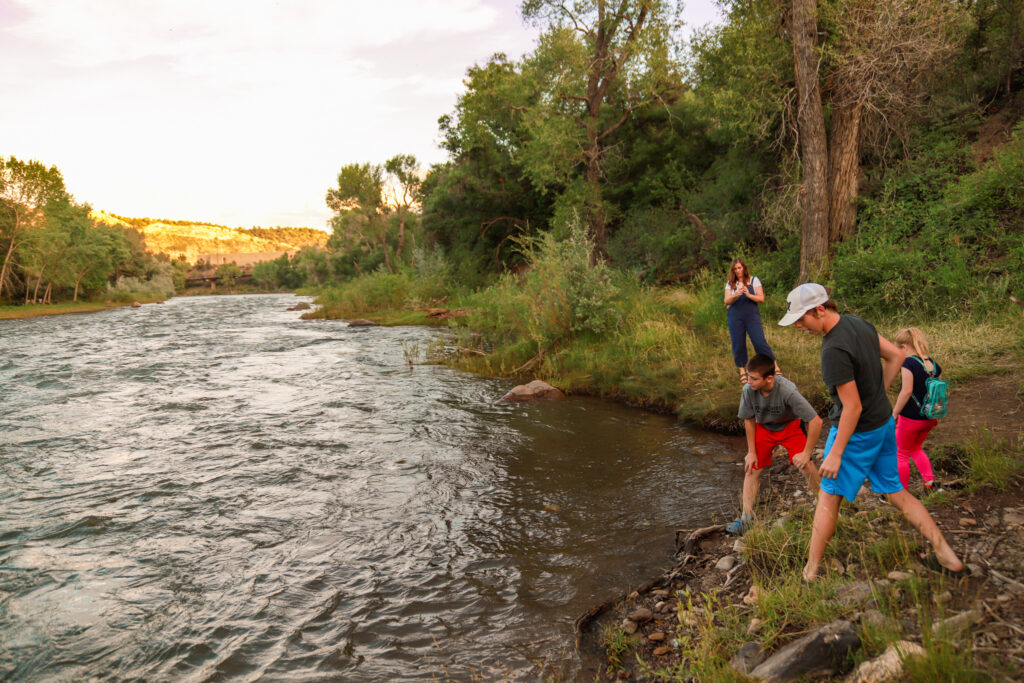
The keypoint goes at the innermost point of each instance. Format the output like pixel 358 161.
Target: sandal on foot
pixel 932 562
pixel 743 376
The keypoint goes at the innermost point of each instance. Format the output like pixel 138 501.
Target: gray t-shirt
pixel 776 410
pixel 850 352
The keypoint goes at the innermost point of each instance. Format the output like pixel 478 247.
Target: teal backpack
pixel 936 394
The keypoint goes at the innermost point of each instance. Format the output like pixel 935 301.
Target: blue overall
pixel 744 321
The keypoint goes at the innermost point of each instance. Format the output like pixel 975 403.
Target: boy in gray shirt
pixel 772 409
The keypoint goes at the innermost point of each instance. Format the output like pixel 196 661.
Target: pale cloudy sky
pixel 238 112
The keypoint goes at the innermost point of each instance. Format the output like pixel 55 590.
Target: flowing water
pixel 211 489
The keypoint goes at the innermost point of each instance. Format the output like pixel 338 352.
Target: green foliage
pixel 617 645
pixel 939 240
pixel 158 286
pixel 992 463
pixel 227 274
pixel 560 297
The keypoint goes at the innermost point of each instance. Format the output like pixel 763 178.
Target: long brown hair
pixel 732 272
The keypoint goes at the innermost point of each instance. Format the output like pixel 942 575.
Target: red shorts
pixel 792 438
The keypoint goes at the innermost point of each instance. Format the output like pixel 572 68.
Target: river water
pixel 211 489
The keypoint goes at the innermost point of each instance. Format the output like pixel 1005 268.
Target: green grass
pixel 38 310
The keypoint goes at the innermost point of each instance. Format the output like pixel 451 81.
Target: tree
pixel 598 61
pixel 873 58
pixel 25 189
pixel 227 274
pixel 813 148
pixel 402 190
pixel 358 203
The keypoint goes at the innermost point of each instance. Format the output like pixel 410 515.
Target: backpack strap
pixel 930 373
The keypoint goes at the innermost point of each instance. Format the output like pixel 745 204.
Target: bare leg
pixel 822 530
pixel 812 477
pixel 917 514
pixel 751 486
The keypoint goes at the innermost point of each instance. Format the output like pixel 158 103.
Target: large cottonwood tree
pixel 26 187
pixel 597 62
pixel 871 64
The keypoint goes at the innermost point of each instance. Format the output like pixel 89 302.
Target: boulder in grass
pixel 816 654
pixel 136 304
pixel 362 322
pixel 301 306
pixel 889 666
pixel 534 390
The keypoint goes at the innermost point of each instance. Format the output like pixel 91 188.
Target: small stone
pixel 942 598
pixel 1013 517
pixel 690 619
pixel 747 659
pixel 660 607
pixel 624 675
pixel 797 493
pixel 854 593
pixel 754 626
pixel 660 592
pixel 629 626
pixel 726 563
pixel 900 576
pixel 976 571
pixel 752 595
pixel 661 651
pixel 887 667
pixel 738 546
pixel 958 622
pixel 872 617
pixel 640 615
pixel 634 596
pixel 780 522
pixel 656 637
pixel 1004 597
pixel 967 521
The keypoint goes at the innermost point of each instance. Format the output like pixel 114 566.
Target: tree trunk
pixel 401 234
pixel 843 170
pixel 78 281
pixel 595 210
pixel 35 294
pixel 46 295
pixel 7 259
pixel 813 144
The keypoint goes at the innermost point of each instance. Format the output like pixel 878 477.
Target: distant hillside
pixel 194 240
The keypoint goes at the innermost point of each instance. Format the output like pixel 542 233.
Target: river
pixel 211 489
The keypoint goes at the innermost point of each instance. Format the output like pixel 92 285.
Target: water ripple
pixel 212 489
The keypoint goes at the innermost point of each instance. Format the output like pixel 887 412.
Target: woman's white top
pixel 754 284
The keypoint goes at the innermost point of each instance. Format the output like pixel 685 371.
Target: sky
pixel 239 112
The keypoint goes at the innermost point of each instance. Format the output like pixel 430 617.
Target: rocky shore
pixel 735 609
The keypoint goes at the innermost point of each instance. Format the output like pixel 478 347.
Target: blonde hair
pixel 913 338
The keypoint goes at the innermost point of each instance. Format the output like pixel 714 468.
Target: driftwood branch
pixel 695 536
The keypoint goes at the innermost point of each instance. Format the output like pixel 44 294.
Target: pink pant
pixel 910 435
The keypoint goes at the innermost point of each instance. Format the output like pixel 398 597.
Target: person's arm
pixel 750 427
pixel 906 389
pixel 732 296
pixel 892 358
pixel 852 409
pixel 813 434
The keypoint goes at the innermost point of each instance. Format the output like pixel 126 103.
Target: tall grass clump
pixel 560 297
pixel 157 287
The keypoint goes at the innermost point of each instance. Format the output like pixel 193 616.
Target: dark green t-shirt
pixel 850 351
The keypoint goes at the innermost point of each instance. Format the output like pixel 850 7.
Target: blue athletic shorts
pixel 870 455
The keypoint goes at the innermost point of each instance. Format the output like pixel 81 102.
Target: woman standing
pixel 742 295
pixel 911 426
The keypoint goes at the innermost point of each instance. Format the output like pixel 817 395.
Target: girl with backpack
pixel 742 295
pixel 912 425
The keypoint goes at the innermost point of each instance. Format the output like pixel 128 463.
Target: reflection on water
pixel 212 489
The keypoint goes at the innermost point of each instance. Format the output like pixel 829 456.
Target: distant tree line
pixel 52 250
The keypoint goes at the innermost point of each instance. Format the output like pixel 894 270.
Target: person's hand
pixel 830 468
pixel 801 459
pixel 750 461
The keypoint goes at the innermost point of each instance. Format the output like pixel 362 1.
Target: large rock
pixel 362 322
pixel 534 390
pixel 301 306
pixel 888 666
pixel 748 657
pixel 816 654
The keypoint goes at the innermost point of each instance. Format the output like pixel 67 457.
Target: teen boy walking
pixel 772 409
pixel 862 440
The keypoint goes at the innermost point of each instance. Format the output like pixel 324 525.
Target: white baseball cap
pixel 802 299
